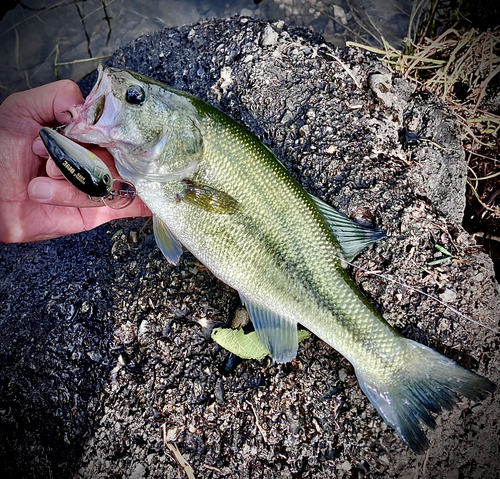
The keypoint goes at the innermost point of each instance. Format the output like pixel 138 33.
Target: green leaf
pixel 117 234
pixel 437 261
pixel 246 346
pixel 303 334
pixel 443 250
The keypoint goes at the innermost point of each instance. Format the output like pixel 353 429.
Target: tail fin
pixel 428 385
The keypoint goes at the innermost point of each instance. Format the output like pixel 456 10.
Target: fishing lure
pixel 86 171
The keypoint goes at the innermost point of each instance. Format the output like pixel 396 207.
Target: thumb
pixel 46 104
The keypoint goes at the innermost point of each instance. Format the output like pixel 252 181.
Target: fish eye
pixel 107 179
pixel 135 95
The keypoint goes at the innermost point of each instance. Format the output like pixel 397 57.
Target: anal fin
pixel 277 334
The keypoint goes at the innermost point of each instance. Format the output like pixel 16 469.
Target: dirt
pixel 105 348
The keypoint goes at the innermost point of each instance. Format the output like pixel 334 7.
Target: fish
pixel 215 189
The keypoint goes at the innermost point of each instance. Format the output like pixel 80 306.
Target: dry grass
pixel 458 66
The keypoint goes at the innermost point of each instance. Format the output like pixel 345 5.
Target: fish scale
pixel 215 189
pixel 229 152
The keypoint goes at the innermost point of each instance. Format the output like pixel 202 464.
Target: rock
pixel 138 472
pixel 269 36
pixel 63 414
pixel 449 296
pixel 491 100
pixel 345 466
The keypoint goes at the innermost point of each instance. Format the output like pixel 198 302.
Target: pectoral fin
pixel 352 237
pixel 277 334
pixel 169 245
pixel 208 198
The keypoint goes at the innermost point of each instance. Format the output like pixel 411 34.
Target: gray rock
pixel 269 36
pixel 64 414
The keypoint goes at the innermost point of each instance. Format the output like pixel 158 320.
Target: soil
pixel 105 348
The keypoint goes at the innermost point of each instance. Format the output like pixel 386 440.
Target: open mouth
pixel 99 113
pixel 96 101
pixel 99 110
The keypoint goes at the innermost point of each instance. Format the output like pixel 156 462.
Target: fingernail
pixel 41 189
pixel 38 148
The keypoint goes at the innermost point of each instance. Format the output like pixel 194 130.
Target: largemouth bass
pixel 215 189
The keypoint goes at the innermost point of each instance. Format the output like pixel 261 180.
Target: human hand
pixel 36 201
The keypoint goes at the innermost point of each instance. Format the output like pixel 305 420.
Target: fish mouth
pixel 99 110
pixel 93 121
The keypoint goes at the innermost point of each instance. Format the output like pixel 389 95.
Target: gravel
pixel 105 348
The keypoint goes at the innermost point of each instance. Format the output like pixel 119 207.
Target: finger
pixel 97 216
pixel 48 103
pixel 53 171
pixel 38 148
pixel 135 209
pixel 62 193
pixel 59 193
pixel 67 97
